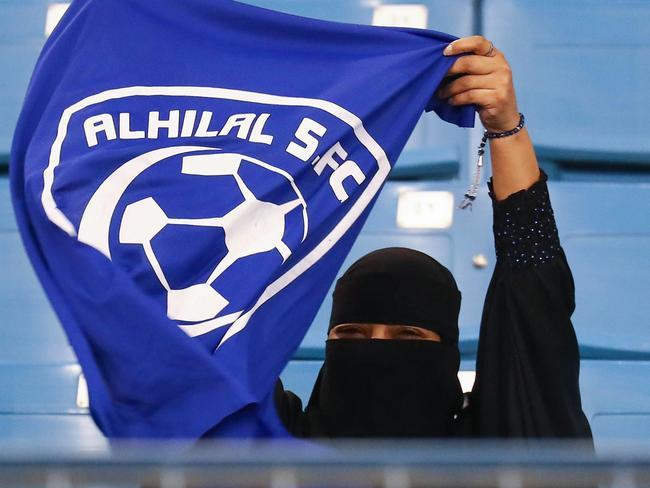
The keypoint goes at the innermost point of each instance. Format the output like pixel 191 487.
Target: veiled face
pixel 382 331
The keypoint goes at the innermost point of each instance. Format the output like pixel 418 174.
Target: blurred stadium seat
pixel 30 332
pixel 581 76
pixel 606 236
pixel 39 377
pixel 22 35
pixel 615 397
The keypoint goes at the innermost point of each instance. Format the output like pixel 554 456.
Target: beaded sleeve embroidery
pixel 525 233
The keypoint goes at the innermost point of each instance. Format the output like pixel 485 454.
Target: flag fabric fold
pixel 188 177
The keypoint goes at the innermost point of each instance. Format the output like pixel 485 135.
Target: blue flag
pixel 188 177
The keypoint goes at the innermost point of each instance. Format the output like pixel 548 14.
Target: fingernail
pixel 448 50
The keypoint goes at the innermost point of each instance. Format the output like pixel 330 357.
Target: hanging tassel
pixel 472 191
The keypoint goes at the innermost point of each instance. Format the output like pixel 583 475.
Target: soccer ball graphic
pixel 253 226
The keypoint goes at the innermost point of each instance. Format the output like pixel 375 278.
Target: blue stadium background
pixel 581 70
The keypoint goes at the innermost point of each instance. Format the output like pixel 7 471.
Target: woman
pixel 392 354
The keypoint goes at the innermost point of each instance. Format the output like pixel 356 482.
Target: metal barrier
pixel 387 464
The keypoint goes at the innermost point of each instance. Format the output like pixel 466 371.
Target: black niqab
pixel 390 388
pixel 385 388
pixel 398 286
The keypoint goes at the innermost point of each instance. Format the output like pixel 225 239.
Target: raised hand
pixel 484 78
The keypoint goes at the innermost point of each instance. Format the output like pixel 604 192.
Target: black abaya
pixel 528 362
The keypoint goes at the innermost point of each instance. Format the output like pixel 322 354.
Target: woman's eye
pixel 410 334
pixel 350 332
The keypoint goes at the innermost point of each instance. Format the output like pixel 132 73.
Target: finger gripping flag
pixel 188 177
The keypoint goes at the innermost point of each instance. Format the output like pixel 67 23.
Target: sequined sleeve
pixel 525 233
pixel 528 362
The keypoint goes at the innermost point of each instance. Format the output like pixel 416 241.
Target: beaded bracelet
pixel 470 194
